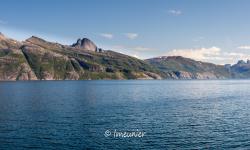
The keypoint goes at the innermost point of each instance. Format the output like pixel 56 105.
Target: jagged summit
pixel 85 44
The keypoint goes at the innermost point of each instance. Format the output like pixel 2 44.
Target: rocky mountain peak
pixel 241 62
pixel 85 44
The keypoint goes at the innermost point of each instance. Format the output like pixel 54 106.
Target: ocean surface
pixel 205 114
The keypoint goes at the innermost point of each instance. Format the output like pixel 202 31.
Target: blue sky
pixel 209 30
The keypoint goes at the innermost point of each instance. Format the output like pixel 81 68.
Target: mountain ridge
pixel 38 59
pixel 54 61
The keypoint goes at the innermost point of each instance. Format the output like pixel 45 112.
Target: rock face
pixel 85 44
pixel 13 65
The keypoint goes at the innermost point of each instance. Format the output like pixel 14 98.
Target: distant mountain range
pixel 37 59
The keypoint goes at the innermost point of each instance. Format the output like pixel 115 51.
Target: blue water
pixel 172 114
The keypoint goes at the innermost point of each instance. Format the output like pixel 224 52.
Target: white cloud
pixel 175 12
pixel 107 35
pixel 197 54
pixel 246 47
pixel 236 56
pixel 131 36
pixel 141 48
pixel 212 54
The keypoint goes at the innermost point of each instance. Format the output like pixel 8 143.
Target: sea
pixel 129 114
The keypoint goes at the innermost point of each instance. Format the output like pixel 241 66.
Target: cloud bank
pixel 245 47
pixel 212 54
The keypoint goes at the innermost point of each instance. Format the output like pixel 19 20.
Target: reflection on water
pixel 173 114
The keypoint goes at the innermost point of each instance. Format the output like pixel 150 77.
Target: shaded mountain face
pixel 85 44
pixel 241 69
pixel 36 58
pixel 177 67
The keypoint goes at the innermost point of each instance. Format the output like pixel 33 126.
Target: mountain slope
pixel 38 59
pixel 177 67
pixel 13 65
pixel 240 70
pixel 44 60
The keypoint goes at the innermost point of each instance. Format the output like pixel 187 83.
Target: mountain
pixel 13 64
pixel 85 44
pixel 38 59
pixel 177 67
pixel 240 70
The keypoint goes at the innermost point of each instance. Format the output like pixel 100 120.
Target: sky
pixel 208 30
